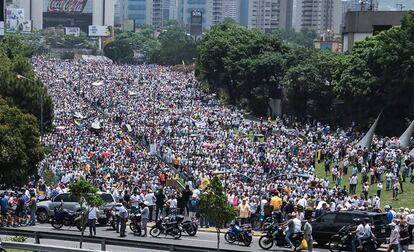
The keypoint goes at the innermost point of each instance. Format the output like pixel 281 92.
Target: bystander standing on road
pixel 92 217
pixel 145 217
pixel 307 233
pixel 123 214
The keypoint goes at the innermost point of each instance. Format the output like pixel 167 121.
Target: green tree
pixel 119 51
pixel 379 76
pixel 303 38
pixel 176 45
pixel 87 194
pixel 26 93
pixel 232 59
pixel 214 206
pixel 20 149
pixel 309 84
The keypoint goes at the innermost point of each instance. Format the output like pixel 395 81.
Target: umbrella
pixel 97 83
pixel 96 125
pixel 105 154
pixel 61 127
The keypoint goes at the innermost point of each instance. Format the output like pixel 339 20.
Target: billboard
pixel 14 19
pixel 100 31
pixel 68 13
pixel 66 6
pixel 196 26
pixel 75 31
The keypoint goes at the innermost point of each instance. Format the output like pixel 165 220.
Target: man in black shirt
pixel 186 197
pixel 159 203
pixel 404 238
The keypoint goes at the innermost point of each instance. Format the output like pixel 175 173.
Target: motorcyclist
pixel 362 232
pixel 293 226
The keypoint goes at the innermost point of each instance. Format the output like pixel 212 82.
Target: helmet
pixel 387 207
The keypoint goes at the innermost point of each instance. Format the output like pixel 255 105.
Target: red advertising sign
pixel 73 6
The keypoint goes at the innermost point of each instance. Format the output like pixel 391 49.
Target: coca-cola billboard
pixel 67 13
pixel 66 6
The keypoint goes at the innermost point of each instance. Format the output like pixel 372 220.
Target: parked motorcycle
pixel 135 224
pixel 64 217
pixel 343 241
pixel 274 234
pixel 167 227
pixel 242 234
pixel 188 226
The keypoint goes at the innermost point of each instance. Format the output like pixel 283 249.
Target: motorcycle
pixel 242 234
pixel 167 227
pixel 188 226
pixel 64 217
pixel 343 241
pixel 274 234
pixel 135 224
pixel 111 215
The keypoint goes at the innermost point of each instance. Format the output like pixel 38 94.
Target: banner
pixel 153 149
pixel 75 31
pixel 99 31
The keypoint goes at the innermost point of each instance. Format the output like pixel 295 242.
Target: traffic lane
pixel 92 246
pixel 203 239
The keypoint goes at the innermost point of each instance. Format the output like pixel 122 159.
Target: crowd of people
pixel 131 130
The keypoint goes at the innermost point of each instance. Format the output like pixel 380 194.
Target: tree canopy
pixel 245 67
pixel 20 148
pixel 26 93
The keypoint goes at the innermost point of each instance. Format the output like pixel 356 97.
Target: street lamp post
pixel 40 97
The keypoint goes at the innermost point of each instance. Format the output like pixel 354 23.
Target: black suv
pixel 330 223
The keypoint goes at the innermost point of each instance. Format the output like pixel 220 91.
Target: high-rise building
pixel 120 12
pixel 321 16
pixel 231 9
pixel 140 11
pixel 217 11
pixel 269 15
pixel 152 12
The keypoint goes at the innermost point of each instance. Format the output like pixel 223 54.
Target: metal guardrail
pixel 42 248
pixel 104 241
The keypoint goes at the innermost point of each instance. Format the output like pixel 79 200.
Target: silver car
pixel 45 209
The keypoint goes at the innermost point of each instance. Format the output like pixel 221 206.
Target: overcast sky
pixel 392 4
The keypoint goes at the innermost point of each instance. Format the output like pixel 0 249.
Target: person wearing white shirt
pixel 150 199
pixel 92 217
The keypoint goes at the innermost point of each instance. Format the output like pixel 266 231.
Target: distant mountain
pixel 392 4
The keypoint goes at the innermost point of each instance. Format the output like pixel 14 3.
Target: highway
pixel 202 239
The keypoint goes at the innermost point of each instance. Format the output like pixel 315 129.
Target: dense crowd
pixel 132 130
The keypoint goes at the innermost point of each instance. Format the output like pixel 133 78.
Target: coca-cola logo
pixel 66 6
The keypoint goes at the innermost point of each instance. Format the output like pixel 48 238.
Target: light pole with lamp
pixel 19 77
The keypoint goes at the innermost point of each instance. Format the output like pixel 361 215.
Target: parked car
pixel 330 223
pixel 45 209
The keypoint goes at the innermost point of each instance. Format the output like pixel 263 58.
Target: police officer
pixel 123 214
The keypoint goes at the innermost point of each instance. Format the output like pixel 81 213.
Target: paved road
pixel 203 239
